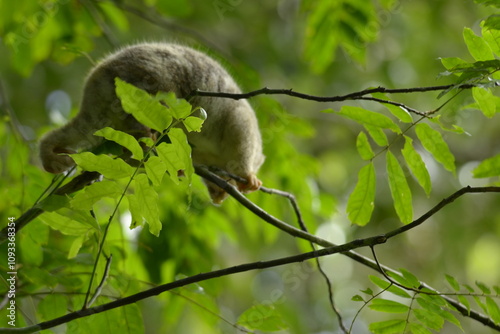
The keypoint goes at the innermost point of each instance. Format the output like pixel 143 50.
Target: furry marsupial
pixel 230 138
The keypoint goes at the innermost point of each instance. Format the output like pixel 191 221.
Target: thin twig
pixel 339 98
pixel 293 201
pixel 98 290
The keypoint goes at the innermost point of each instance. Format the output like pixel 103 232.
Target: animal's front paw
pixel 253 184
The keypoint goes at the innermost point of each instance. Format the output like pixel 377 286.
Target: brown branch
pixel 439 206
pixel 379 239
pixel 190 280
pixel 346 249
pixel 339 98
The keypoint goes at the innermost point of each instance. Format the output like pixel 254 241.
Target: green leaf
pixel 147 199
pixel 477 46
pixel 378 135
pixel 177 155
pixel 146 109
pixel 416 165
pixel 493 310
pixel 107 166
pixel 135 211
pixel 491 33
pixel 155 169
pixel 178 108
pixel 452 63
pixel 370 118
pixel 400 190
pixel 77 225
pixel 357 298
pixel 86 199
pixel 489 104
pixel 75 246
pixel 124 139
pixel 53 203
pixel 388 327
pixel 363 146
pixel 416 328
pixel 488 168
pixel 384 285
pixel 453 282
pixel 389 306
pixel 410 278
pixel 433 142
pixel 361 202
pixel 465 302
pixel 484 288
pixel 193 123
pixel 402 114
pixel 263 318
pixel 429 319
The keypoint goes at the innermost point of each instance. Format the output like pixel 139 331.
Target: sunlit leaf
pixel 416 165
pixel 75 246
pixel 417 328
pixel 370 118
pixel 193 123
pixel 429 319
pixel 363 146
pixel 493 310
pixel 146 109
pixel 400 191
pixel 377 134
pixel 148 200
pixel 384 285
pixel 433 142
pixel 389 306
pixel 452 63
pixel 92 193
pixel 155 169
pixel 105 165
pixel 361 202
pixel 76 225
pixel 388 327
pixel 410 278
pixel 402 114
pixel 176 155
pixel 489 104
pixel 124 139
pixel 178 108
pixel 488 168
pixel 477 46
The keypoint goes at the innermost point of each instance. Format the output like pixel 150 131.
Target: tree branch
pixel 346 249
pixel 339 98
pixel 190 280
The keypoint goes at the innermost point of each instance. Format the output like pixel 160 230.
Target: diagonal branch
pixel 190 280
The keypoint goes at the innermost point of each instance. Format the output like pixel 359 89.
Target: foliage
pixel 78 253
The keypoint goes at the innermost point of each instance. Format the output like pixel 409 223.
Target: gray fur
pixel 230 137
